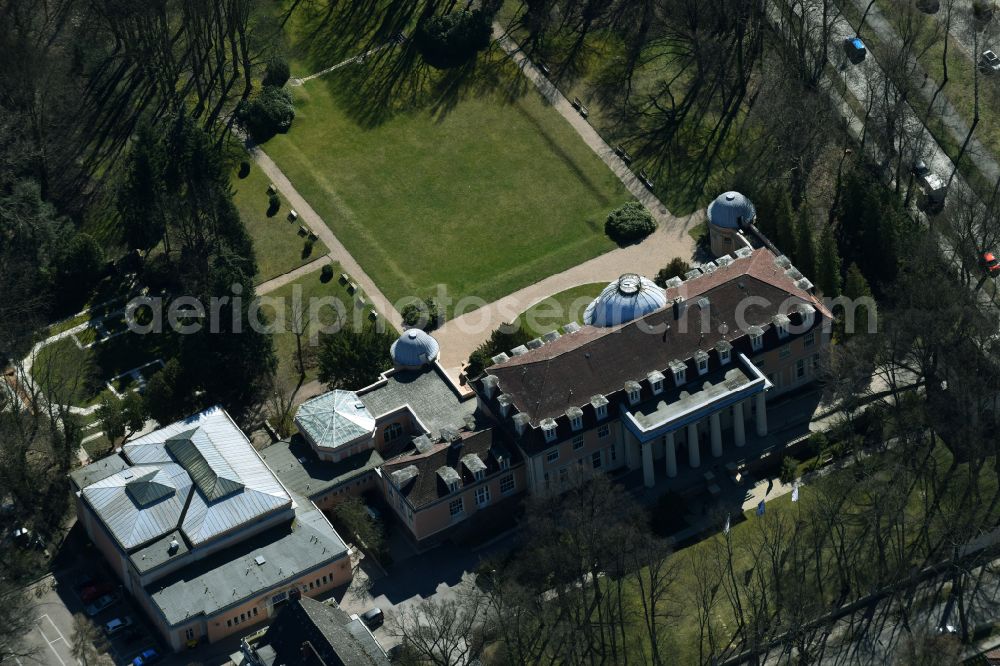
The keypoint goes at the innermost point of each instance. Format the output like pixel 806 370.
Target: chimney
pixel 490 383
pixel 679 307
pixel 521 423
pixel 505 402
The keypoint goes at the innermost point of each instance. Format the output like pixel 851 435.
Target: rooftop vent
pixel 259 560
pixel 173 546
pixel 534 343
pixel 500 358
pixel 804 284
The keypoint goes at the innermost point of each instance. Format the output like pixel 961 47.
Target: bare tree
pixel 89 646
pixel 443 632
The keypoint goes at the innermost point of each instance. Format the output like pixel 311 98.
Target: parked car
pixel 373 617
pixel 855 49
pixel 920 168
pixel 99 604
pixel 932 186
pixel 989 62
pixel 990 263
pixel 147 656
pixel 95 590
pixel 117 625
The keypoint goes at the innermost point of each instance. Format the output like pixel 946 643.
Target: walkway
pixel 337 253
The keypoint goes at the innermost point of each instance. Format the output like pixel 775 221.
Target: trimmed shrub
pixel 676 268
pixel 269 113
pixel 277 73
pixel 273 204
pixel 789 469
pixel 629 223
pixel 326 274
pixel 450 40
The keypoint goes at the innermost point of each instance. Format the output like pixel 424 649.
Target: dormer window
pixel 781 322
pixel 633 390
pixel 504 464
pixel 756 338
pixel 725 351
pixel 575 415
pixel 701 359
pixel 453 486
pixel 679 368
pixel 600 405
pixel 656 382
pixel 480 475
pixel 549 429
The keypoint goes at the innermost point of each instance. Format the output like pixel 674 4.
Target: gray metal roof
pixel 414 348
pixel 232 575
pixel 207 451
pixel 729 208
pixel 427 392
pixel 335 419
pixel 133 523
pixel 629 297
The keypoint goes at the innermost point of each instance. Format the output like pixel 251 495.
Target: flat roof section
pixel 428 393
pixel 302 472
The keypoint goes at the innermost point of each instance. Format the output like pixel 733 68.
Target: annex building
pixel 202 534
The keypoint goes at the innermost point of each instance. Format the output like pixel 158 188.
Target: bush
pixel 502 339
pixel 307 249
pixel 277 73
pixel 269 113
pixel 326 274
pixel 453 39
pixel 273 204
pixel 676 268
pixel 425 315
pixel 629 223
pixel 789 469
pixel 983 10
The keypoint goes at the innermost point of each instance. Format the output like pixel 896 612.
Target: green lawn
pixel 464 188
pixel 276 241
pixel 324 316
pixel 559 309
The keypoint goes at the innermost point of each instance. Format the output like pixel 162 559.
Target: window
pixel 243 617
pixel 310 585
pixel 604 431
pixel 756 338
pixel 393 431
pixel 815 363
pixel 453 486
pixel 189 633
pixel 725 355
pixel 809 340
pixel 800 368
pixel 229 623
pixel 480 474
pixel 601 410
pixel 455 507
pixel 550 432
pixel 596 460
pixel 578 442
pixel 658 387
pixel 507 484
pixel 702 365
pixel 255 612
pixel 552 455
pixel 612 454
pixel 577 421
pixel 784 352
pixel 680 375
pixel 504 463
pixel 324 579
pixel 483 495
pixel 633 396
pixel 782 330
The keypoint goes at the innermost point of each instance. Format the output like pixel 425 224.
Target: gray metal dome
pixel 414 349
pixel 629 297
pixel 729 208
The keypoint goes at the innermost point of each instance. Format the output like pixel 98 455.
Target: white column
pixel 739 433
pixel 648 473
pixel 694 455
pixel 671 456
pixel 716 434
pixel 761 415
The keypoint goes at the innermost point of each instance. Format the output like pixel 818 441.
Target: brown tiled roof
pixel 427 487
pixel 566 372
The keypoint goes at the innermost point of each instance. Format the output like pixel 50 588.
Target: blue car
pixel 855 49
pixel 147 656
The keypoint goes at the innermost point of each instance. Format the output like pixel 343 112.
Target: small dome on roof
pixel 414 349
pixel 729 208
pixel 629 297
